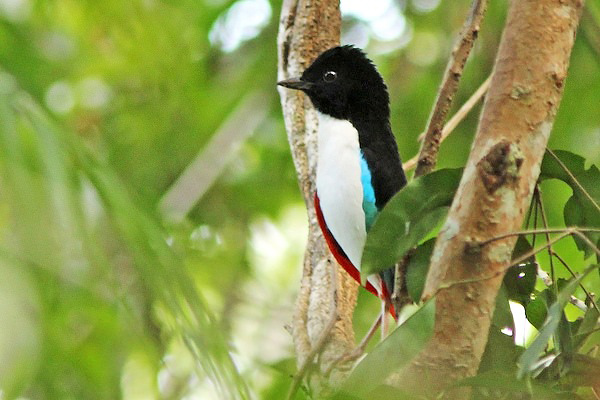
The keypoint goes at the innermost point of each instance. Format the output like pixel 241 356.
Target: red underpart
pixel 345 262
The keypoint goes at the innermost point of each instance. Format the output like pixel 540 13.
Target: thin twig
pixel 400 296
pixel 318 347
pixel 568 268
pixel 543 275
pixel 588 241
pixel 580 304
pixel 563 233
pixel 399 284
pixel 385 322
pixel 358 350
pixel 456 119
pixel 569 230
pixel 529 214
pixel 463 111
pixel 540 204
pixel 367 338
pixel 535 223
pixel 212 160
pixel 533 252
pixel 575 181
pixel 517 261
pixel 452 75
pixel 587 294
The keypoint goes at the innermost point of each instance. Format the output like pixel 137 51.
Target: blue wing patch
pixel 368 204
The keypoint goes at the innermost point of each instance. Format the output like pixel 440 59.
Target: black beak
pixel 295 83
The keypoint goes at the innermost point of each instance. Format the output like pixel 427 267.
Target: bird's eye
pixel 329 76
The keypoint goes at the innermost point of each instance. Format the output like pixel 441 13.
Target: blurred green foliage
pixel 103 105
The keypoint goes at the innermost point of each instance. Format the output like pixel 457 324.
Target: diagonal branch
pixel 568 230
pixel 574 300
pixel 201 173
pixel 453 122
pixel 547 245
pixel 454 70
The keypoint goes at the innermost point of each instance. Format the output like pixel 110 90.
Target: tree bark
pixel 308 27
pixel 495 190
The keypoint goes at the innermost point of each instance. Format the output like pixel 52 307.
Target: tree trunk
pixel 306 29
pixel 495 190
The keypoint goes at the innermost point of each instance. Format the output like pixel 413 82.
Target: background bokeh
pixel 106 289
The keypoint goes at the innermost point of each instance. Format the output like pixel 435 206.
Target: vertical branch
pixel 496 188
pixel 307 28
pixel 454 70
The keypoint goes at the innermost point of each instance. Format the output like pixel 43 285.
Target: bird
pixel 358 165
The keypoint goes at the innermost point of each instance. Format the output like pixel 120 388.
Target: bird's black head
pixel 343 83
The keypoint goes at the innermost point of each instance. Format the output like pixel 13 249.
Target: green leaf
pixel 404 343
pixel 587 326
pixel 503 317
pixel 500 352
pixel 563 335
pixel 584 371
pixel 417 268
pixel 382 392
pixel 520 279
pixel 499 383
pixel 286 366
pixel 536 312
pixel 408 218
pixel 529 359
pixel 590 321
pixel 583 208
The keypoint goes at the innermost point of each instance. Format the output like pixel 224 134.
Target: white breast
pixel 340 188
